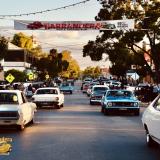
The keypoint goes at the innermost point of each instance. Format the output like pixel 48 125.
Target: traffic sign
pixel 47 76
pixel 31 76
pixel 10 78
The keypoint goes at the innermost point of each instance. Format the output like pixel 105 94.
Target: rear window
pixel 47 91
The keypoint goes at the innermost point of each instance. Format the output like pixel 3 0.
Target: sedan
pixel 66 87
pixel 48 96
pixel 120 100
pixel 151 122
pixel 15 109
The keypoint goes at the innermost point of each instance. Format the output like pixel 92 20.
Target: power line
pixel 44 11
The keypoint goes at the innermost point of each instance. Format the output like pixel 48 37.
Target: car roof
pixel 47 88
pixel 10 91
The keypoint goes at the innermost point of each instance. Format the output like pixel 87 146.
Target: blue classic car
pixel 66 87
pixel 120 100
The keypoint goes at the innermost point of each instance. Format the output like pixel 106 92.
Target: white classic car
pixel 48 96
pixel 15 109
pixel 151 122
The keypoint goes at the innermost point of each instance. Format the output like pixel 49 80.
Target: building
pixel 16 58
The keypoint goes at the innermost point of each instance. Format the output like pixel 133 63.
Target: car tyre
pixel 150 142
pixel 102 110
pixel 21 127
pixel 106 112
pixel 91 103
pixel 70 92
pixel 136 113
pixel 58 106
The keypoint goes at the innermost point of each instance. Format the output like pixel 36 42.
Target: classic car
pixel 15 109
pixel 97 93
pixel 151 122
pixel 66 87
pixel 48 96
pixel 120 100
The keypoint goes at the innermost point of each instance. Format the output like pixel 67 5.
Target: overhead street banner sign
pixel 125 24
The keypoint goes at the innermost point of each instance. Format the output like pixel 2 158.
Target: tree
pixel 23 41
pixel 3 47
pixel 93 72
pixel 147 21
pixel 73 69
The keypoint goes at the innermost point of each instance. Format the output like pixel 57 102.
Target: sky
pixel 61 40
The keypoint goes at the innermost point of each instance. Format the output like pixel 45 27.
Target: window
pixel 47 91
pixel 8 98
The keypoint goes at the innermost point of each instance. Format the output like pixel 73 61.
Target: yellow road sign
pixel 10 78
pixel 31 76
pixel 47 76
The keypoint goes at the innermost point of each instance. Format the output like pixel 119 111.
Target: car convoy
pixel 16 110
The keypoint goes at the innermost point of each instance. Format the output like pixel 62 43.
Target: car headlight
pixel 109 104
pixel 135 104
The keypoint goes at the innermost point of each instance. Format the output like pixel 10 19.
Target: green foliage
pixel 71 68
pixel 146 18
pixel 3 47
pixel 93 72
pixel 18 75
pixel 23 41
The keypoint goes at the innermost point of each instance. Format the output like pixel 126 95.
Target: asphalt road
pixel 80 132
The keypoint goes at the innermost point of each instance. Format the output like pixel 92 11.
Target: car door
pixel 155 120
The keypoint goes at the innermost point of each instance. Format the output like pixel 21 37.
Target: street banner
pixel 125 24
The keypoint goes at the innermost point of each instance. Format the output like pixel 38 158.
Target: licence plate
pixel 123 109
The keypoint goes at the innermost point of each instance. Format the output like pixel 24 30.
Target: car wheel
pixel 58 106
pixel 102 110
pixel 150 142
pixel 62 105
pixel 105 112
pixel 136 113
pixel 21 127
pixel 91 103
pixel 70 92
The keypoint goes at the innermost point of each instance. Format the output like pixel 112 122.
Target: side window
pixel 24 100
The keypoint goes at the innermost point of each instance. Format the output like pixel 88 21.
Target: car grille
pixel 126 104
pixel 9 115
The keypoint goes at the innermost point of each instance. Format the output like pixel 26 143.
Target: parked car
pixel 151 122
pixel 48 96
pixel 120 100
pixel 66 87
pixel 15 109
pixel 98 92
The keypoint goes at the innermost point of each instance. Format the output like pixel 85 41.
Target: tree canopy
pixel 3 47
pixel 125 47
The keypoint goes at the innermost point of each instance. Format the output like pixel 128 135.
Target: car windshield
pixel 65 84
pixel 119 94
pixel 8 98
pixel 100 89
pixel 47 91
